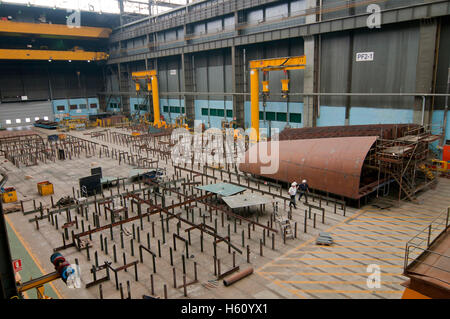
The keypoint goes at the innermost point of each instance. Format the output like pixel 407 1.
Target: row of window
pixel 173 109
pixel 27 120
pixel 140 107
pixel 217 112
pixel 281 117
pixel 76 107
pixel 114 105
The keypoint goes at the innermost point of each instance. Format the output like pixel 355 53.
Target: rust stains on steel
pixel 328 164
pixel 155 211
pixel 385 131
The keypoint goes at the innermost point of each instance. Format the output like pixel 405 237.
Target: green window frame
pixel 295 117
pixel 165 109
pixel 281 117
pixel 229 113
pixel 220 112
pixel 213 112
pixel 204 111
pixel 270 116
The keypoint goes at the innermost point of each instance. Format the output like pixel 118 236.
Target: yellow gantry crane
pixel 267 65
pixel 151 80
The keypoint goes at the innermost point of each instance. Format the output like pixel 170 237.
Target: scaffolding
pixel 404 159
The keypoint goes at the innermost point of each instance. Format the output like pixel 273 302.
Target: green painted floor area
pixel 29 267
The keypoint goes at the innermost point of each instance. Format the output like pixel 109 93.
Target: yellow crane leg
pixel 254 105
pixel 157 120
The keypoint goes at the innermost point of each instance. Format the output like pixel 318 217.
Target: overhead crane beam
pixel 266 65
pixel 78 55
pixel 158 3
pixel 45 29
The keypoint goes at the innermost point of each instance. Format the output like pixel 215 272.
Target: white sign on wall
pixel 173 72
pixel 364 56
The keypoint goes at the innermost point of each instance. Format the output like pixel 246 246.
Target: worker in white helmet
pixel 292 192
pixel 303 190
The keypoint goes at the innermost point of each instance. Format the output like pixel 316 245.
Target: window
pixel 140 107
pixel 229 113
pixel 281 117
pixel 36 118
pixel 205 112
pixel 270 116
pixel 220 112
pixel 73 107
pixel 295 117
pixel 93 105
pixel 82 106
pixel 213 112
pixel 45 118
pixel 18 120
pixel 166 109
pixel 183 110
pixel 8 121
pixel 60 108
pixel 27 120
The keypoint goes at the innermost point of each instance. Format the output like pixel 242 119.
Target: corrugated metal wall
pixel 26 112
pixel 393 69
pixel 443 63
pixel 45 80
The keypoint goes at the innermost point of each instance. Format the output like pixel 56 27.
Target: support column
pixel 188 86
pixel 425 69
pixel 310 71
pixel 238 83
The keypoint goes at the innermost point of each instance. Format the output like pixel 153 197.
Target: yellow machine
pixel 151 80
pixel 180 121
pixel 45 188
pixel 267 65
pixel 232 124
pixel 9 195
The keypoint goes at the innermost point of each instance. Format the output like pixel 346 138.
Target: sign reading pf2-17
pixel 364 56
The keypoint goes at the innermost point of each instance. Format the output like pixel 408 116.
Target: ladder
pixel 285 224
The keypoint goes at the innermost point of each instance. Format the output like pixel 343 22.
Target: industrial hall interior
pixel 224 149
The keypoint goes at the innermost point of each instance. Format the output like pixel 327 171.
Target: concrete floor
pixel 297 269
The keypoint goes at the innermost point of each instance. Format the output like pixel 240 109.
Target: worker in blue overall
pixel 303 190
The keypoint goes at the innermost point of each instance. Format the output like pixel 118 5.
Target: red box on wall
pixel 446 153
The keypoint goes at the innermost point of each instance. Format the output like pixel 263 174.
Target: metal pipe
pixel 280 94
pixel 232 279
pixel 423 108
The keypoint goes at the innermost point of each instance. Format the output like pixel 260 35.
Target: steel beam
pixel 11 54
pixel 60 30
